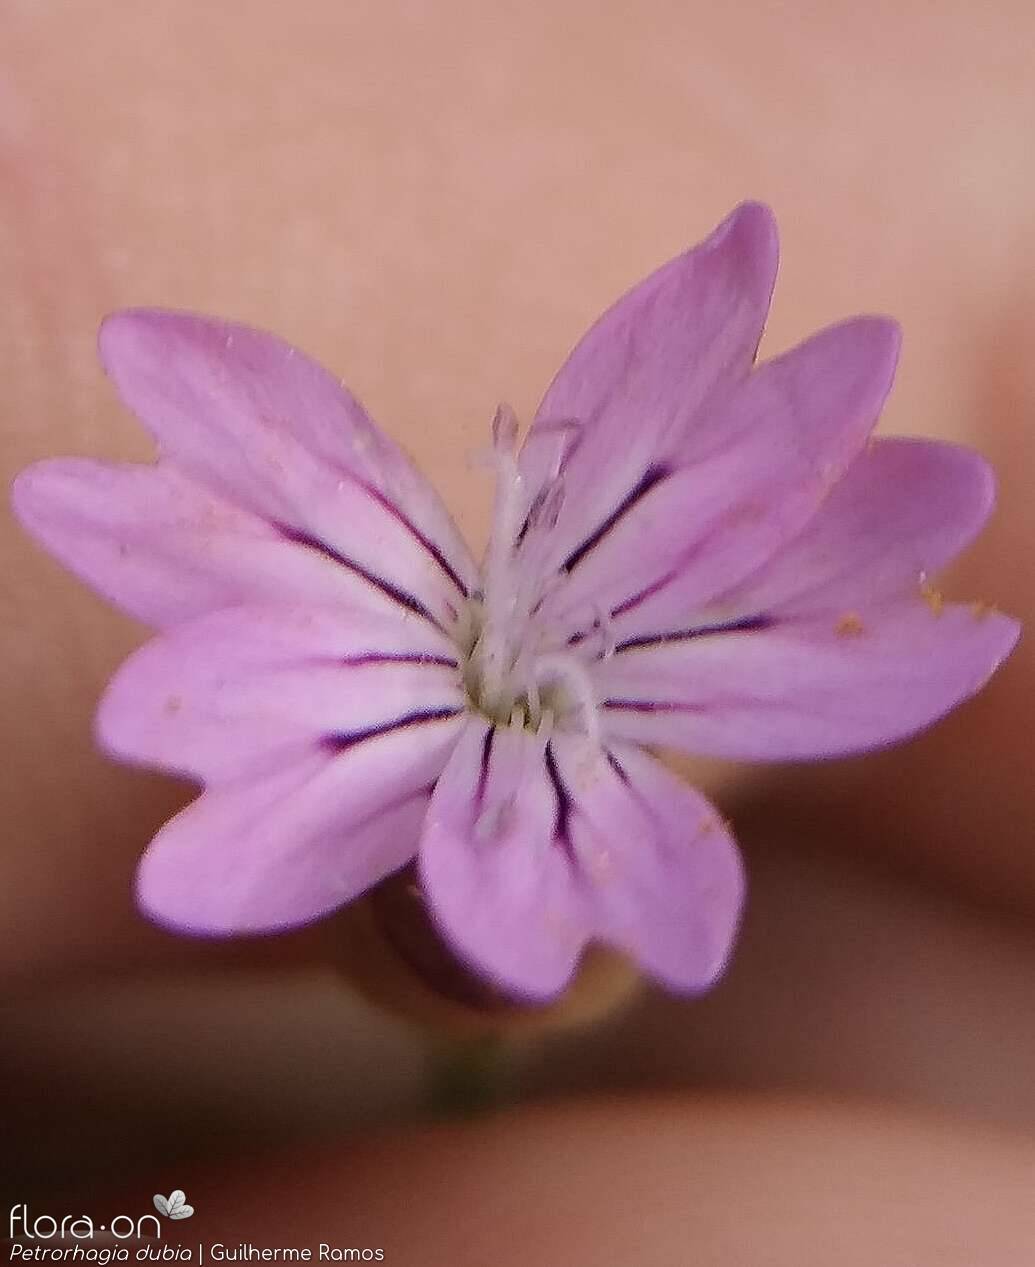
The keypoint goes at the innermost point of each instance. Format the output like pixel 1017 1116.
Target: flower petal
pixel 239 693
pixel 166 550
pixel 527 853
pixel 500 887
pixel 667 882
pixel 639 377
pixel 265 428
pixel 279 851
pixel 748 484
pixel 904 510
pixel 805 687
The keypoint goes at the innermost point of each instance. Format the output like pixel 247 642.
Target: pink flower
pixel 687 552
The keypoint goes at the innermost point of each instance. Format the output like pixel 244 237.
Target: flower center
pixel 517 669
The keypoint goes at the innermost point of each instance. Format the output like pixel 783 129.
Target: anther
pixel 504 429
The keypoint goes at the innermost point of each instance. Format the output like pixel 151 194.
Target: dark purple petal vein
pixel 342 741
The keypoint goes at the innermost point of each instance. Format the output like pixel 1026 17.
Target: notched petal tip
pixel 525 981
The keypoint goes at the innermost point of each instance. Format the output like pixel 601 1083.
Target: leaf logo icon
pixel 174 1206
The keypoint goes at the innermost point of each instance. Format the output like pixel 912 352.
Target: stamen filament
pixel 576 683
pixel 516 673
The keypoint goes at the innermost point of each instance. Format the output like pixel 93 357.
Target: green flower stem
pixel 467 1076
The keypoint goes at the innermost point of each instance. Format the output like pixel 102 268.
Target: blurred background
pixel 435 200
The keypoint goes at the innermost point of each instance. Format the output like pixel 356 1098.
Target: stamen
pixel 501 630
pixel 562 434
pixel 492 651
pixel 575 682
pixel 504 429
pixel 531 569
pixel 603 625
pixel 546 509
pixel 535 703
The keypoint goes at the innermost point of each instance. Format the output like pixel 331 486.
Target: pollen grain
pixel 980 609
pixel 850 626
pixel 932 597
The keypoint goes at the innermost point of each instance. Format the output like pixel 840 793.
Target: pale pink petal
pixel 265 428
pixel 165 550
pixel 528 852
pixel 752 480
pixel 241 692
pixel 641 375
pixel 903 511
pixel 663 874
pixel 805 687
pixel 279 851
pixel 499 882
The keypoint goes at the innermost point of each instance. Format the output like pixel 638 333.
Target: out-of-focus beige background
pixel 435 200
